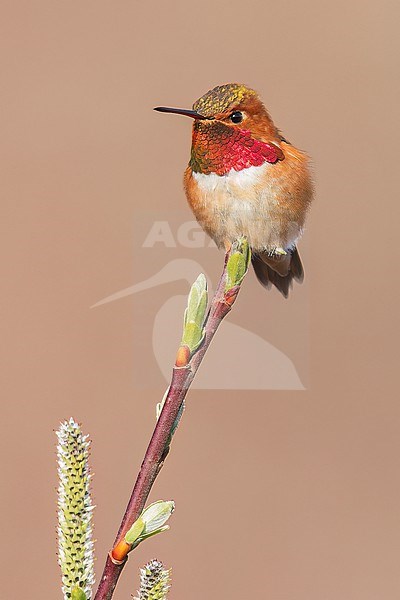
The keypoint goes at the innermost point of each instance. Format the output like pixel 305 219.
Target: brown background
pixel 280 495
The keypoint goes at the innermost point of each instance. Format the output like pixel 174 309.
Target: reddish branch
pixel 158 447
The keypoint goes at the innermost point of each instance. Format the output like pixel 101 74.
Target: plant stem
pixel 158 447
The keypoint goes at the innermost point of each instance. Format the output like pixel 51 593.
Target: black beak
pixel 180 111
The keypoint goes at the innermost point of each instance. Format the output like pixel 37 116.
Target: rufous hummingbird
pixel 245 179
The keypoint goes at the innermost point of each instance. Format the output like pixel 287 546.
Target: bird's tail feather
pixel 278 270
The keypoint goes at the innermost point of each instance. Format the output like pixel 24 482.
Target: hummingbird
pixel 245 179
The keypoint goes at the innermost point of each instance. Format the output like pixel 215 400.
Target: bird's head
pixel 231 130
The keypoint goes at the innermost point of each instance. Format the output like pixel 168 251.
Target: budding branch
pixel 158 448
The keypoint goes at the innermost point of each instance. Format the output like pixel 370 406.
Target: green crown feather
pixel 220 98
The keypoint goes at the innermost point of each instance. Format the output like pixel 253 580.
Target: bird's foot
pixel 277 252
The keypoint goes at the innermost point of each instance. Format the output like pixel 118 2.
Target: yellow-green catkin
pixel 75 508
pixel 154 582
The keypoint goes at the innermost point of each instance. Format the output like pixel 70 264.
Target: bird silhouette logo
pixel 281 373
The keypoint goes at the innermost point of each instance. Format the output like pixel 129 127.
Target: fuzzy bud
pixel 75 543
pixel 238 263
pixel 154 582
pixel 195 313
pixel 151 521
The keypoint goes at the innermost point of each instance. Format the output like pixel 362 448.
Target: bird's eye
pixel 236 117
